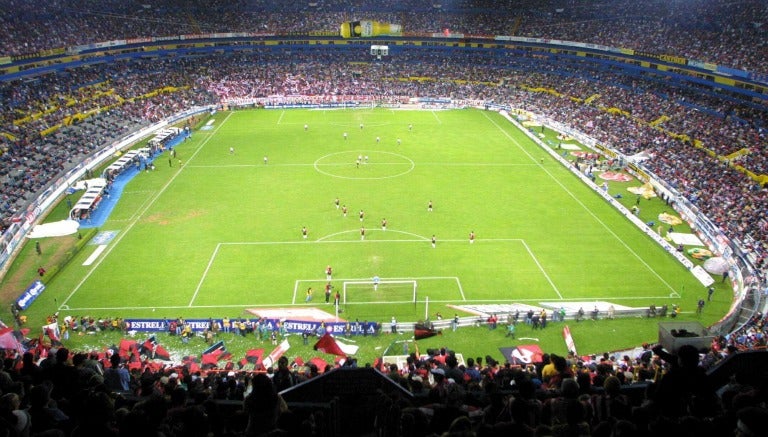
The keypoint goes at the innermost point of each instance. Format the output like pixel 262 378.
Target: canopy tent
pixel 90 199
pixel 165 135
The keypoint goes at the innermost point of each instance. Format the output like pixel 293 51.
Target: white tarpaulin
pixel 55 229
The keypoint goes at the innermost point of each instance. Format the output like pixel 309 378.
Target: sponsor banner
pixel 291 326
pixel 732 72
pixel 309 105
pixel 138 40
pixel 30 294
pixel 757 77
pixel 702 65
pixel 665 58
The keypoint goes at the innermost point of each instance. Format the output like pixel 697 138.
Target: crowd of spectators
pixel 727 33
pixel 650 391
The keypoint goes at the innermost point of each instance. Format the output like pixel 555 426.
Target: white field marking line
pixel 541 268
pixel 574 299
pixel 95 254
pixel 339 164
pixel 373 164
pixel 282 305
pixel 133 216
pixel 205 273
pixel 367 280
pixel 322 240
pixel 295 291
pixel 421 237
pixel 580 203
pixel 461 289
pixel 133 223
pixel 436 117
pixel 282 113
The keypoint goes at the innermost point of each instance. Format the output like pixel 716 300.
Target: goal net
pixel 392 291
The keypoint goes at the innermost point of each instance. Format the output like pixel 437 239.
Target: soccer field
pixel 222 233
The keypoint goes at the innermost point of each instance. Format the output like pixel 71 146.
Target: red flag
pixel 162 353
pixel 297 362
pixel 148 347
pixel 215 353
pixel 254 355
pixel 125 348
pixel 328 345
pixel 422 331
pixel 320 363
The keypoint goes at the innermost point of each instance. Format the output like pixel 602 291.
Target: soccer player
pixel 328 288
pixel 309 295
pixel 375 283
pixel 362 233
pixel 306 127
pixel 304 232
pixel 265 160
pixel 328 272
pixel 378 140
pixel 383 224
pixel 361 126
pixel 336 202
pixel 410 127
pixel 471 237
pixel 398 141
pixel 231 150
pixel 345 136
pixel 429 206
pixel 344 210
pixel 361 215
pixel 434 242
pixel 357 163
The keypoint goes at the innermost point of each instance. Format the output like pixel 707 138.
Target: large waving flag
pixel 252 356
pixel 152 350
pixel 9 340
pixel 215 353
pixel 329 345
pixel 126 348
pixel 569 340
pixel 276 353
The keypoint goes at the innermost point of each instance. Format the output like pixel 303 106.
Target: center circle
pixel 364 164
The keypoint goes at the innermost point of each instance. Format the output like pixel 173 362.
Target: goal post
pixel 389 290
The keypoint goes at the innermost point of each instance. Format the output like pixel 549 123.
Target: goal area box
pixel 399 290
pixel 403 290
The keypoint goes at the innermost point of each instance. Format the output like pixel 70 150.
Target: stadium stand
pixel 52 121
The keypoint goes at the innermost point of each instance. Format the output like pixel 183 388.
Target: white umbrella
pixel 716 265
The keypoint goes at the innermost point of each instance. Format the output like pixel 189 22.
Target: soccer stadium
pixel 397 218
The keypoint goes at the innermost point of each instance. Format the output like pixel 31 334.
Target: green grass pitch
pixel 222 233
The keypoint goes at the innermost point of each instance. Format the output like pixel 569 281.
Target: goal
pixel 382 290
